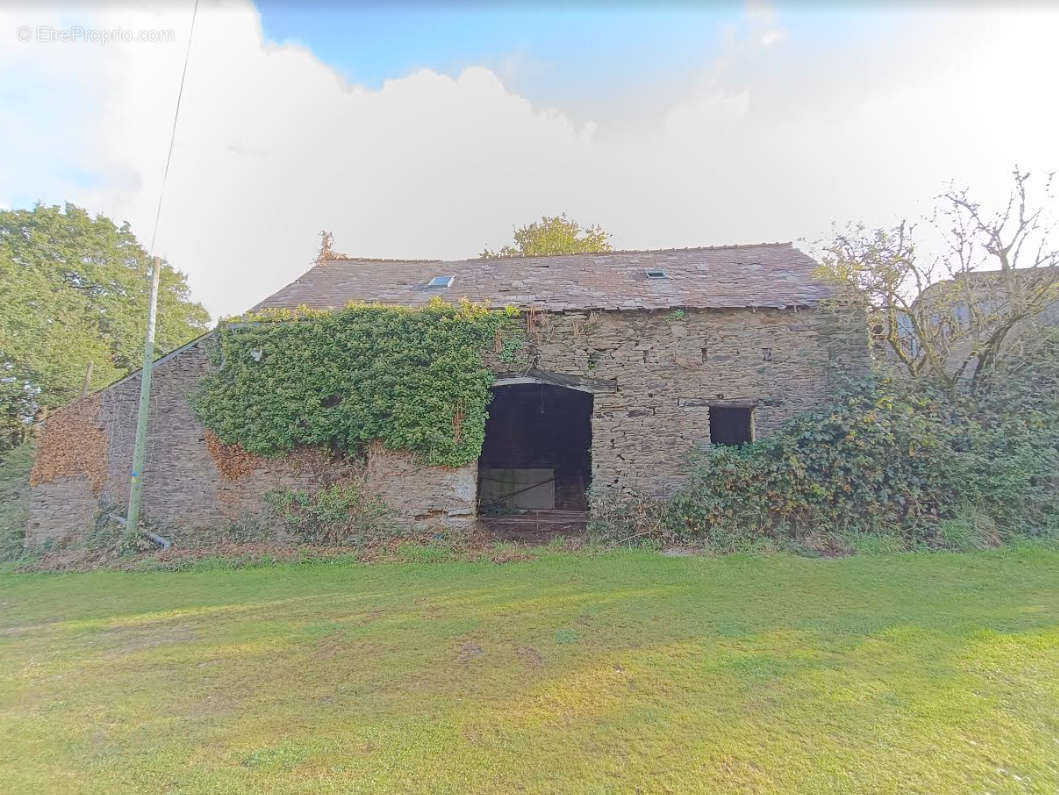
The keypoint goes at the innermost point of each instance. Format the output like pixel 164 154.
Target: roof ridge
pixel 734 246
pixel 348 258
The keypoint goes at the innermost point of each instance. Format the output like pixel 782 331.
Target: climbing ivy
pixel 412 378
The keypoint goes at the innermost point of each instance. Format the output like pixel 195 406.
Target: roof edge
pixel 673 249
pixel 160 360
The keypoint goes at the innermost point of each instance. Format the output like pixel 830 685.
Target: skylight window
pixel 656 273
pixel 441 281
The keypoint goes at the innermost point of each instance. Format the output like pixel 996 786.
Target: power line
pixel 172 132
pixel 139 451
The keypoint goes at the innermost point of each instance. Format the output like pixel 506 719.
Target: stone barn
pixel 635 357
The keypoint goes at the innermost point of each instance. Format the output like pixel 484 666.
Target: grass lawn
pixel 917 672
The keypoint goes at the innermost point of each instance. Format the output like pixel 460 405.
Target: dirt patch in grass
pixel 529 656
pixel 129 639
pixel 468 652
pixel 331 646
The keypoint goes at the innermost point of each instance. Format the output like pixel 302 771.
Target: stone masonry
pixel 669 367
pixel 663 370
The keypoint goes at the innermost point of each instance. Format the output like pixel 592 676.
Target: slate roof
pixel 985 281
pixel 762 275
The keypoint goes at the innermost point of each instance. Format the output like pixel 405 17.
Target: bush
pixel 342 514
pixel 15 464
pixel 898 459
pixel 875 460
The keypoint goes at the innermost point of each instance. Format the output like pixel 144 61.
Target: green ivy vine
pixel 412 378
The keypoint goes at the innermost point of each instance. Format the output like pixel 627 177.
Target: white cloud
pixel 770 37
pixel 273 146
pixel 762 18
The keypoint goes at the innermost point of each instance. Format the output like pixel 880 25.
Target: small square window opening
pixel 656 273
pixel 732 425
pixel 441 281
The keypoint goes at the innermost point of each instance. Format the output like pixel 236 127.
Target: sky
pixel 423 130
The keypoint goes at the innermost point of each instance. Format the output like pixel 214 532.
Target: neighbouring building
pixel 964 310
pixel 636 357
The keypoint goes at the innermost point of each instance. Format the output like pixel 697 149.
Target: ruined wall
pixel 666 368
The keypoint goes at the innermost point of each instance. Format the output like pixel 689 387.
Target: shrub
pixel 873 460
pixel 342 514
pixel 15 465
pixel 951 469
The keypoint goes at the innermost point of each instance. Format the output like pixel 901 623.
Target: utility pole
pixel 139 453
pixel 87 382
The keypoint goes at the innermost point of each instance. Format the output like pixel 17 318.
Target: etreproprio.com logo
pixel 77 34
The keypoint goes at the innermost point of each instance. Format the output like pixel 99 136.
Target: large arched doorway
pixel 537 451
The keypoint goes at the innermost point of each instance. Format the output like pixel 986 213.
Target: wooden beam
pixel 581 384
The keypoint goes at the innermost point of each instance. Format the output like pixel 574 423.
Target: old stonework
pixel 634 358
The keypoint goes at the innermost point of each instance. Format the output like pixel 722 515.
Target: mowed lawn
pixel 620 672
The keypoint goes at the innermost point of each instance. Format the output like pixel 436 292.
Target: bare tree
pixel 952 316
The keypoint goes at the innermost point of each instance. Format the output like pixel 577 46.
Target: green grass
pixel 916 672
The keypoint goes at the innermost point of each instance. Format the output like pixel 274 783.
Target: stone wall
pixel 430 496
pixel 68 471
pixel 663 371
pixel 669 367
pixel 60 509
pixel 186 489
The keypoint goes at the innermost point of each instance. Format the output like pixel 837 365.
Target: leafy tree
pixel 73 293
pixel 554 235
pixel 956 315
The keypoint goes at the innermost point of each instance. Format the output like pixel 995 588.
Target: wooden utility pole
pixel 87 382
pixel 139 453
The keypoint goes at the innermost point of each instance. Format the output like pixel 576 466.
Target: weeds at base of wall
pixel 342 514
pixel 627 519
pixel 970 529
pixel 639 526
pixel 104 543
pixel 643 522
pixel 109 539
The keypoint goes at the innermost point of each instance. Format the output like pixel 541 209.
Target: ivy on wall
pixel 413 378
pixel 72 445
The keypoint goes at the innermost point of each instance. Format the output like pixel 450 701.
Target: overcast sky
pixel 431 133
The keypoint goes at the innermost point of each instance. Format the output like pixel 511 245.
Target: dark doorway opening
pixel 731 425
pixel 537 450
